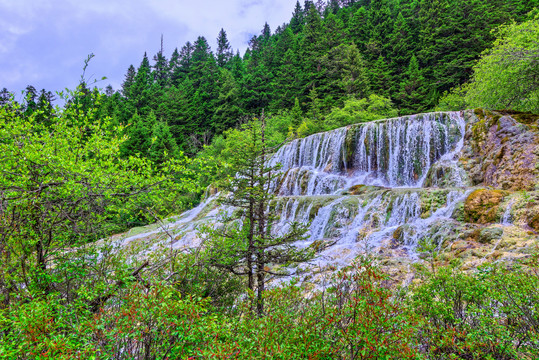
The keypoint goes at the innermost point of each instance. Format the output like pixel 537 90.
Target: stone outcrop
pixel 481 206
pixel 502 150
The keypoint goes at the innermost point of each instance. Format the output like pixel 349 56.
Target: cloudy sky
pixel 44 42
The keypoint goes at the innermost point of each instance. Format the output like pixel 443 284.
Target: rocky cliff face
pixel 461 184
pixel 502 150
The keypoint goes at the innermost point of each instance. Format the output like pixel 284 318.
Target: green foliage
pixel 107 162
pixel 506 76
pixel 245 245
pixel 412 93
pixel 360 110
pixel 63 185
pixel 454 100
pixel 490 314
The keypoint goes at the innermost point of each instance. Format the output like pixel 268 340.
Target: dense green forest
pixel 107 161
pixel 408 51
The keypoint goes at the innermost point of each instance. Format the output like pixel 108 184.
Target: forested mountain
pixel 410 51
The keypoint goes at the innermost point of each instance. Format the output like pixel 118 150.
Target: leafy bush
pixel 491 314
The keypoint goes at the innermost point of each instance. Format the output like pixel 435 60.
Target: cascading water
pixel 393 153
pixel 361 187
pixel 506 217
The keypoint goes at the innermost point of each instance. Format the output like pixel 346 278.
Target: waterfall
pixel 359 188
pixel 506 218
pixel 318 151
pixel 393 153
pixel 399 152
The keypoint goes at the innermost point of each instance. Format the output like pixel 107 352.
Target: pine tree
pixel 257 91
pixel 412 95
pixel 129 81
pixel 266 32
pixel 44 104
pixel 251 249
pixel 315 106
pixel 224 50
pixel 334 33
pixel 287 81
pixel 30 97
pixel 285 42
pixel 358 29
pixel 200 58
pixel 162 144
pixel 379 24
pixel 138 132
pixel 140 90
pixel 174 67
pixel 160 72
pixel 296 23
pixel 183 68
pixel 400 45
pixel 296 114
pixel 5 97
pixel 311 50
pixel 380 78
pixel 228 110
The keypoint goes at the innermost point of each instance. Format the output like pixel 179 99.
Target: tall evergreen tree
pixel 412 95
pixel 140 90
pixel 380 78
pixel 266 32
pixel 160 72
pixel 162 145
pixel 174 67
pixel 183 67
pixel 358 28
pixel 129 81
pixel 307 4
pixel 30 100
pixel 400 45
pixel 5 97
pixel 44 104
pixel 228 110
pixel 250 250
pixel 224 50
pixel 379 23
pixel 297 19
pixel 312 49
pixel 138 137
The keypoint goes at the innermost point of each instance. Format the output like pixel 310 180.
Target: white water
pixel 507 217
pixel 393 153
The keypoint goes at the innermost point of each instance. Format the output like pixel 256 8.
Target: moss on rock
pixel 534 222
pixel 482 206
pixel 489 235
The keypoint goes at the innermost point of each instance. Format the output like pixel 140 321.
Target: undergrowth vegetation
pixel 492 313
